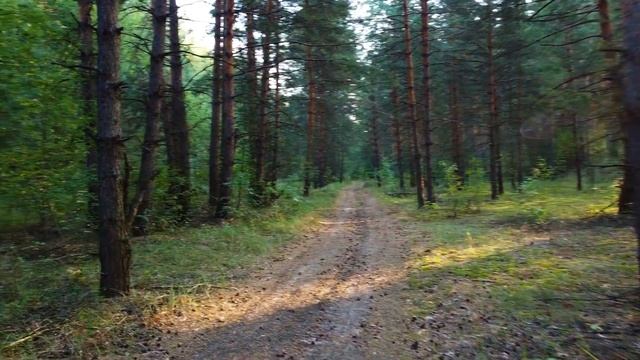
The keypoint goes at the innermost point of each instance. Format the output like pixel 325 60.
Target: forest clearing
pixel 320 179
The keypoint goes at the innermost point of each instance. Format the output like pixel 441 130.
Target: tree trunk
pixel 625 198
pixel 311 112
pixel 631 25
pixel 216 105
pixel 178 154
pixel 137 215
pixel 226 171
pixel 88 88
pixel 375 143
pixel 457 153
pixel 261 139
pixel 494 155
pixel 426 86
pixel 397 134
pixel 273 173
pixel 411 103
pixel 115 250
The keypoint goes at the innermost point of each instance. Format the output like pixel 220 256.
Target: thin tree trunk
pixel 256 141
pixel 493 112
pixel 115 250
pixel 88 88
pixel 137 214
pixel 227 148
pixel 411 103
pixel 273 176
pixel 397 134
pixel 457 153
pixel 631 25
pixel 216 107
pixel 573 118
pixel 261 140
pixel 426 87
pixel 180 182
pixel 311 111
pixel 375 144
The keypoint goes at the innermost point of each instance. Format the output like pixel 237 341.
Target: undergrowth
pixel 49 306
pixel 548 272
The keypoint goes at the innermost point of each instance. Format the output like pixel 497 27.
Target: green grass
pixel 52 293
pixel 547 258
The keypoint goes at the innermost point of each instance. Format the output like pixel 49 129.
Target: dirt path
pixel 331 295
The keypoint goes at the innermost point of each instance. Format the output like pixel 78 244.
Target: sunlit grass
pixel 549 256
pixel 58 297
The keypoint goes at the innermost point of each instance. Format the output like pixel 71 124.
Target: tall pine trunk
pixel 88 89
pixel 494 150
pixel 228 133
pixel 397 135
pixel 311 113
pixel 376 160
pixel 137 214
pixel 631 25
pixel 457 151
pixel 426 87
pixel 115 250
pixel 216 107
pixel 178 131
pixel 261 140
pixel 411 103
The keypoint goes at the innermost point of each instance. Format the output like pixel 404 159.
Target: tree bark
pixel 115 250
pixel 88 95
pixel 261 139
pixel 397 134
pixel 228 150
pixel 494 152
pixel 457 153
pixel 426 87
pixel 216 107
pixel 311 112
pixel 137 214
pixel 178 154
pixel 631 26
pixel 275 146
pixel 375 143
pixel 411 103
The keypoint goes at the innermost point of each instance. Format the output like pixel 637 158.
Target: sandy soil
pixel 332 294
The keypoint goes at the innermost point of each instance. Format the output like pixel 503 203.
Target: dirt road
pixel 331 295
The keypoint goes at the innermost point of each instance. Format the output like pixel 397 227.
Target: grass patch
pixel 546 273
pixel 48 291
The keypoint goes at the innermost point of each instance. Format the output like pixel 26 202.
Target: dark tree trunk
pixel 88 88
pixel 261 138
pixel 631 25
pixel 375 143
pixel 256 140
pixel 273 173
pixel 426 86
pixel 457 153
pixel 397 135
pixel 227 148
pixel 573 119
pixel 411 103
pixel 137 215
pixel 494 152
pixel 625 198
pixel 178 154
pixel 115 250
pixel 216 107
pixel 311 112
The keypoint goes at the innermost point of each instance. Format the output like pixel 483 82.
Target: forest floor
pixel 548 273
